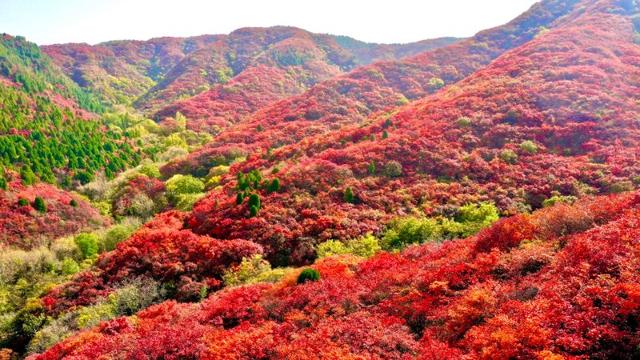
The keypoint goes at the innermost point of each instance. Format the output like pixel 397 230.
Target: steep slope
pixel 551 119
pixel 492 137
pixel 278 70
pixel 48 133
pixel 556 116
pixel 121 71
pixel 23 63
pixel 560 283
pixel 23 224
pixel 350 99
pixel 157 72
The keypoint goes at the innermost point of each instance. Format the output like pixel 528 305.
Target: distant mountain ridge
pixel 151 74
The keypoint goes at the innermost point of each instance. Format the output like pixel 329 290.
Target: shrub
pixel 435 83
pixel 556 199
pixel 172 153
pixel 18 264
pixel 529 147
pixel 506 233
pixel 620 187
pixel 253 211
pixel 331 248
pixel 563 219
pixel 254 204
pixel 185 202
pixel 27 175
pixel 91 316
pixel 73 203
pixel 50 335
pixel 393 169
pixel 88 244
pixel 66 247
pixel 218 170
pixel 464 121
pixel 83 177
pixel 365 246
pixel 103 207
pixel 253 270
pixel 115 235
pixel 135 295
pixel 411 230
pixel 308 275
pixel 469 219
pixel 141 205
pixel 371 169
pixel 23 202
pixel 69 266
pixel 475 217
pixel 509 156
pixel 150 169
pixel 183 184
pixel 39 204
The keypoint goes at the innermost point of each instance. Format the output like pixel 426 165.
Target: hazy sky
pixel 92 21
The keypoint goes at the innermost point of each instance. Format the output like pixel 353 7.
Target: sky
pixel 390 21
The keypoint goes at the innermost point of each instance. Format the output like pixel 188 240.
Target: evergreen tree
pixel 39 204
pixel 348 195
pixel 274 186
pixel 27 175
pixel 372 168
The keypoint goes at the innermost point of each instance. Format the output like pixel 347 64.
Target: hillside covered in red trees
pixel 303 196
pixel 237 73
pixel 559 283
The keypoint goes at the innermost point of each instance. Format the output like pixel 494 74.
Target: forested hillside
pixel 238 72
pixel 274 193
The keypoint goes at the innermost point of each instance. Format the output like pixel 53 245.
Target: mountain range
pixel 274 193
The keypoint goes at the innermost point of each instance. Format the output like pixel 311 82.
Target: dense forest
pixel 278 194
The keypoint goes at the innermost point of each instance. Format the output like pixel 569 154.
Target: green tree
pixel 254 204
pixel 529 146
pixel 180 185
pixel 88 244
pixel 372 168
pixel 274 185
pixel 393 169
pixel 308 275
pixel 39 204
pixel 509 156
pixel 83 176
pixel 348 195
pixel 27 175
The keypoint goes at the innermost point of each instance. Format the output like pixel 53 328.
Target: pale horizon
pixel 65 21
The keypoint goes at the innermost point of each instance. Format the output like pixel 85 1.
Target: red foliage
pixel 460 145
pixel 348 100
pixel 562 282
pixel 179 258
pixel 505 234
pixel 128 191
pixel 266 64
pixel 582 302
pixel 25 227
